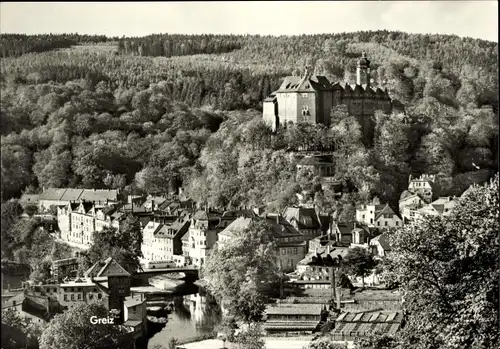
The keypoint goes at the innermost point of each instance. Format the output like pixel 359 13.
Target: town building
pixel 162 238
pixel 291 244
pixel 201 237
pixel 316 269
pixel 440 207
pixel 293 317
pixel 63 268
pixel 310 98
pixel 409 204
pixel 351 326
pixel 306 220
pixel 53 197
pixel 380 216
pixel 380 245
pixel 423 186
pixel 78 221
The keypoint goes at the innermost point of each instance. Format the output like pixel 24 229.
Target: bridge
pixel 142 277
pixel 156 271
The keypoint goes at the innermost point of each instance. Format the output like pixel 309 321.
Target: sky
pixel 476 19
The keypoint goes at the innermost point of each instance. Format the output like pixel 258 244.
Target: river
pixel 195 314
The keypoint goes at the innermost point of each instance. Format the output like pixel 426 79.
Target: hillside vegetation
pixel 172 110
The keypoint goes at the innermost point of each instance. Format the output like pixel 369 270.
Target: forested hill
pixel 145 113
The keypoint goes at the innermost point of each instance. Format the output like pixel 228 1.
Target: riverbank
pixel 270 343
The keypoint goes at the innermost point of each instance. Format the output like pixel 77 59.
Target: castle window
pixel 304 95
pixel 305 111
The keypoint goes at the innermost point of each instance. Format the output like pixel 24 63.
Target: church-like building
pixel 310 98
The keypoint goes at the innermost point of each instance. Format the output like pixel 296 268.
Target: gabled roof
pixel 383 240
pixel 107 268
pixel 71 194
pixel 281 229
pixel 206 215
pixel 94 195
pixel 306 218
pixel 54 194
pixel 385 210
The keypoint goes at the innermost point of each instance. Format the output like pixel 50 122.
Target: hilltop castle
pixel 310 98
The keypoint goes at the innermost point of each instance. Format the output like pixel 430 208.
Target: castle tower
pixel 363 70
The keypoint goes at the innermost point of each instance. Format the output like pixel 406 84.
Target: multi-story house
pixel 380 245
pixel 306 220
pixel 203 234
pixel 379 216
pixel 409 204
pixel 440 207
pixel 310 98
pixel 291 244
pixel 423 186
pixel 316 269
pixel 63 196
pixel 162 239
pixel 78 221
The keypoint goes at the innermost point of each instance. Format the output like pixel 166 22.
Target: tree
pixel 241 273
pixel 377 341
pixel 250 338
pixel 325 342
pixel 359 262
pixel 73 330
pixel 448 268
pixel 123 245
pixel 16 333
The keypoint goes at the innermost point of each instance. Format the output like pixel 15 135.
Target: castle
pixel 310 98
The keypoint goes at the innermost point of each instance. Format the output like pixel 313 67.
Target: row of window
pixel 286 251
pixel 79 297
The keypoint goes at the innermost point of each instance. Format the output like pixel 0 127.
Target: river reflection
pixel 194 314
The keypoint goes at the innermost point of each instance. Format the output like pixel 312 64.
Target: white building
pixel 423 186
pixel 379 216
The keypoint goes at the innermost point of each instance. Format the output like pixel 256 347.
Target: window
pixel 72 297
pixel 363 216
pixel 397 223
pixel 378 223
pixel 79 296
pixel 386 223
pixel 295 250
pixel 371 220
pixel 99 296
pixel 91 296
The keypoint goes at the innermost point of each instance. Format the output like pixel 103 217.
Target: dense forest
pixel 14 45
pixel 170 110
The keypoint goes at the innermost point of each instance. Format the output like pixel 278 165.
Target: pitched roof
pixel 107 268
pixel 383 240
pixel 384 210
pixel 281 229
pixel 71 194
pixel 292 309
pixel 306 218
pixel 94 195
pixel 54 194
pixel 206 215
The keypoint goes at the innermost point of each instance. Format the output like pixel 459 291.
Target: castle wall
pixel 287 107
pixel 310 101
pixel 269 114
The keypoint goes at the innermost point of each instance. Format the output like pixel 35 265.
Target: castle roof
pixel 363 61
